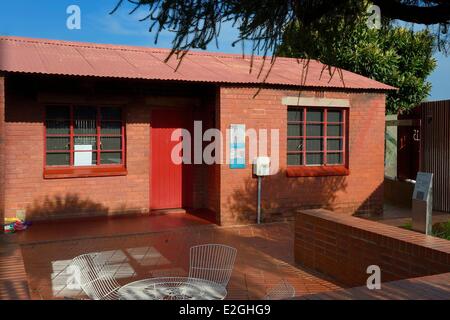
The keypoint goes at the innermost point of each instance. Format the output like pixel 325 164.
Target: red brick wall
pixel 343 247
pixel 27 190
pixel 2 151
pixel 360 192
pixel 232 192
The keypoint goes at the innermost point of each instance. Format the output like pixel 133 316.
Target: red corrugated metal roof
pixel 88 59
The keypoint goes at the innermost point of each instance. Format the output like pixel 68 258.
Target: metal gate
pixel 435 149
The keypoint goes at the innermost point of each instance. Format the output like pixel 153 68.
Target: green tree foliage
pixel 332 31
pixel 397 56
pixel 262 23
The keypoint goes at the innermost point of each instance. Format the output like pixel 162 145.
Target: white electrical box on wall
pixel 261 166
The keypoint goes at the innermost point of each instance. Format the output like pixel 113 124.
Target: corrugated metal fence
pixel 435 149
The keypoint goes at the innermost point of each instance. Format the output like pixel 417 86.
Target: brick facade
pixel 2 148
pixel 230 193
pixel 28 192
pixel 40 198
pixel 343 247
pixel 359 192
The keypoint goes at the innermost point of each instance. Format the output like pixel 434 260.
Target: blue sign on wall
pixel 237 146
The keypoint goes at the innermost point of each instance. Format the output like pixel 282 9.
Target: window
pixel 81 137
pixel 316 137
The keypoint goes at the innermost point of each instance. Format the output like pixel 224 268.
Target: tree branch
pixel 427 15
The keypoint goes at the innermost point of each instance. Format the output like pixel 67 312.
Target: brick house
pixel 85 130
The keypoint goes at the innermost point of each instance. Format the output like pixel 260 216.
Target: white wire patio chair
pixel 213 262
pixel 95 281
pixel 281 291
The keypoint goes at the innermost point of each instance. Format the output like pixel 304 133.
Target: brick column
pixel 2 151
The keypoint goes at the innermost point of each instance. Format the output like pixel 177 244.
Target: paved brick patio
pixel 13 279
pixel 265 257
pixel 436 287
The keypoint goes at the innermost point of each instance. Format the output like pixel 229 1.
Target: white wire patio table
pixel 172 288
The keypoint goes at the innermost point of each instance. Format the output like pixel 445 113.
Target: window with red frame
pixel 316 136
pixel 83 136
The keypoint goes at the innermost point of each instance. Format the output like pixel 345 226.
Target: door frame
pixel 150 174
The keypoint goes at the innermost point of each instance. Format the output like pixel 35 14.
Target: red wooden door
pixel 170 182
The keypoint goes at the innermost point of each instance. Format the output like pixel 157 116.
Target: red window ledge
pixel 106 171
pixel 322 171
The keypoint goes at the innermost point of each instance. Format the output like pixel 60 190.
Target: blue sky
pixel 47 19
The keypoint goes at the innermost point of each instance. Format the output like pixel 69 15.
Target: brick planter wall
pixel 435 287
pixel 343 247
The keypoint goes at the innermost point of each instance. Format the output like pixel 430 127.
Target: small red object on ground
pixel 20 225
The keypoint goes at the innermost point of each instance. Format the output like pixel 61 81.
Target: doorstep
pixel 102 227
